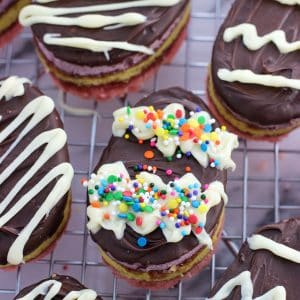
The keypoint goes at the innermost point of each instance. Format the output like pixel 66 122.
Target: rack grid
pixel 263 189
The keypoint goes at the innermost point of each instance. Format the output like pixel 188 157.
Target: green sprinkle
pixel 118 195
pixel 90 192
pixel 203 197
pixel 170 116
pixel 130 217
pixel 173 131
pixel 112 179
pixel 169 158
pixel 148 209
pixel 128 110
pixel 201 120
pixel 109 197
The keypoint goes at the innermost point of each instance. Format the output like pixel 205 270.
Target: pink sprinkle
pixel 169 172
pixel 158 222
pixel 164 197
pixel 206 186
pixel 121 175
pixel 173 193
pixel 206 201
pixel 152 144
pixel 176 178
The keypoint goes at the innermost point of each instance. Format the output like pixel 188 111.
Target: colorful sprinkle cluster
pixel 129 198
pixel 175 127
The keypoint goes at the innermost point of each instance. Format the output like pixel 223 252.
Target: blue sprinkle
pixel 136 207
pixel 207 142
pixel 100 191
pixel 104 182
pixel 190 186
pixel 183 232
pixel 207 128
pixel 162 225
pixel 127 199
pixel 188 154
pixel 201 224
pixel 216 162
pixel 195 203
pixel 135 184
pixel 196 185
pixel 198 109
pixel 177 225
pixel 195 192
pixel 130 127
pixel 203 147
pixel 155 189
pixel 179 216
pixel 185 218
pixel 122 216
pixel 113 188
pixel 148 125
pixel 182 121
pixel 180 133
pixel 142 242
pixel 163 214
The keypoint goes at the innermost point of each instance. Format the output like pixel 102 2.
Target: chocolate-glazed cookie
pixel 254 74
pixel 63 287
pixel 35 175
pixel 156 234
pixel 267 264
pixel 100 49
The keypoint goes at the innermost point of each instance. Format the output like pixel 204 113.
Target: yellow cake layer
pixel 8 18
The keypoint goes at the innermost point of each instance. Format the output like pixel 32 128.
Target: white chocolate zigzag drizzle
pixel 208 146
pixel 259 242
pixel 54 140
pixel 249 77
pixel 51 288
pixel 254 42
pixel 34 14
pixel 289 2
pixel 146 203
pixel 244 280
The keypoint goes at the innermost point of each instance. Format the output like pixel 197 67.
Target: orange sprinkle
pixel 218 143
pixel 96 204
pixel 198 132
pixel 154 169
pixel 83 180
pixel 185 127
pixel 106 216
pixel 141 142
pixel 188 169
pixel 149 154
pixel 160 114
pixel 185 137
pixel 154 126
pixel 145 167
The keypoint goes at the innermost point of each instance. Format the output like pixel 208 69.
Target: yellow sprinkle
pixel 142 205
pixel 151 108
pixel 123 208
pixel 159 131
pixel 121 119
pixel 204 137
pixel 105 203
pixel 203 209
pixel 126 136
pixel 223 128
pixel 178 200
pixel 140 115
pixel 193 123
pixel 165 137
pixel 214 136
pixel 172 204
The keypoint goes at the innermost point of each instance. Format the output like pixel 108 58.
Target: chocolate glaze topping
pixel 68 284
pixel 158 21
pixel 260 106
pixel 268 270
pixel 157 251
pixel 9 110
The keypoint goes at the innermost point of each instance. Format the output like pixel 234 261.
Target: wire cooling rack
pixel 263 189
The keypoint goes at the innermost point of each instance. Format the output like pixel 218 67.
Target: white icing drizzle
pixel 257 242
pixel 51 288
pixel 93 45
pixel 33 14
pixel 244 280
pixel 168 143
pixel 289 2
pixel 152 219
pixel 254 42
pixel 37 109
pixel 12 87
pixel 249 77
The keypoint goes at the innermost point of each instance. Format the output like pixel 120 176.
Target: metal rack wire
pixel 263 189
